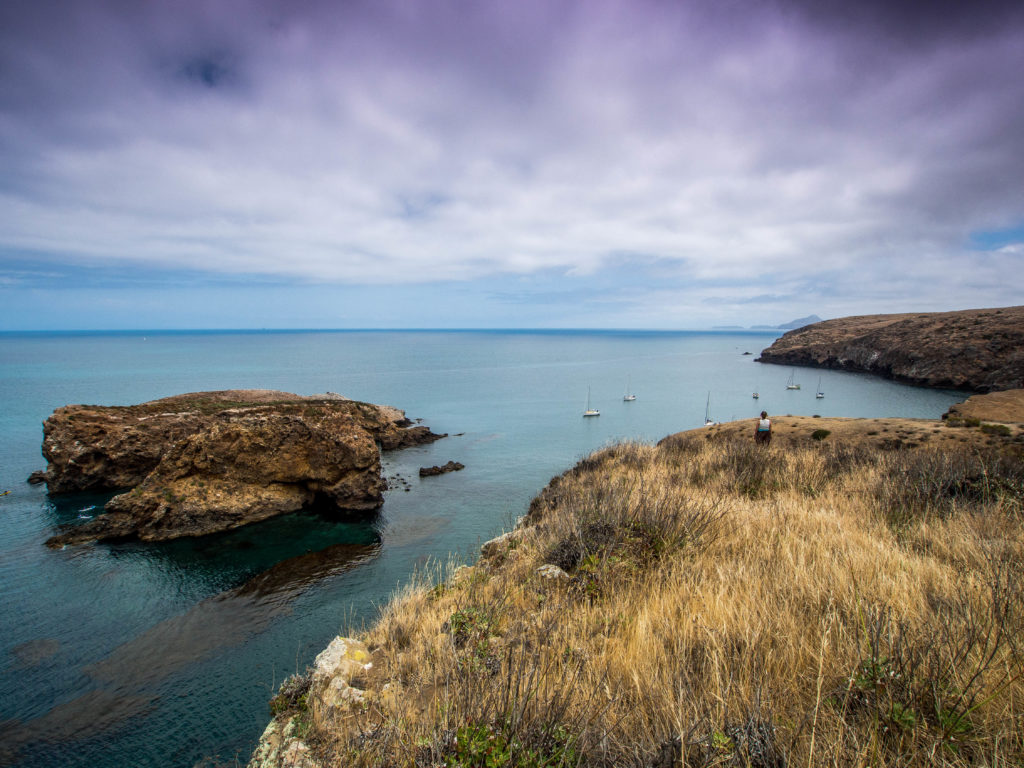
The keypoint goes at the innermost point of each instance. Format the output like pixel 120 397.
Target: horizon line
pixel 719 329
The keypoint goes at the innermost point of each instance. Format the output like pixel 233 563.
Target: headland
pixel 980 350
pixel 849 594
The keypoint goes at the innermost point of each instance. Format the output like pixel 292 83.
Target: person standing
pixel 763 431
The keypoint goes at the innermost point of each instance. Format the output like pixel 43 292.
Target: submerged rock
pixel 212 461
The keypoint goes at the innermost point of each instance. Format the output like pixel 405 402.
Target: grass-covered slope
pixel 717 603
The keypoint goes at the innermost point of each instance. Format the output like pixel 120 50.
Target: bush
pixel 920 484
pixel 996 429
pixel 291 696
pixel 820 434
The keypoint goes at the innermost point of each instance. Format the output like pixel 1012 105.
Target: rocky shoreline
pixel 211 461
pixel 980 350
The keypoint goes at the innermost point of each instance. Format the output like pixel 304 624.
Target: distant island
pixel 798 323
pixel 980 350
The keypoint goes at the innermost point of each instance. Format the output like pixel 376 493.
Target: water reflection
pixel 124 684
pixel 226 620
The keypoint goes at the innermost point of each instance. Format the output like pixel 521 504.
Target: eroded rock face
pixel 211 461
pixel 979 349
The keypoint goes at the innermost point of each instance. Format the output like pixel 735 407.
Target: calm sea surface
pixel 166 654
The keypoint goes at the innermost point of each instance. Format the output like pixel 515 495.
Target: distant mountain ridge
pixel 798 323
pixel 981 350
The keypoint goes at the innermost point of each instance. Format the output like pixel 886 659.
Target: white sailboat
pixel 629 396
pixel 791 384
pixel 819 394
pixel 590 411
pixel 707 412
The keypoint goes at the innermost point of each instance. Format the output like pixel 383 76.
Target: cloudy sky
pixel 506 163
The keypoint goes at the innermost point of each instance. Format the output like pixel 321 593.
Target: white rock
pixel 280 748
pixel 551 571
pixel 339 693
pixel 496 544
pixel 344 658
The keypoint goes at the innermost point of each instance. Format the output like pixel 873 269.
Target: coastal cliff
pixel 850 591
pixel 981 350
pixel 211 461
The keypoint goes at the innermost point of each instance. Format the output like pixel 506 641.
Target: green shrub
pixel 996 429
pixel 292 695
pixel 820 434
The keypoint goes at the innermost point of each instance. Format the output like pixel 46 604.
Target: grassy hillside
pixel 816 602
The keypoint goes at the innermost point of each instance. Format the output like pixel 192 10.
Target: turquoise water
pixel 165 655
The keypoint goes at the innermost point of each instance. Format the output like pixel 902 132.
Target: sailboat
pixel 629 396
pixel 790 384
pixel 819 394
pixel 590 411
pixel 707 412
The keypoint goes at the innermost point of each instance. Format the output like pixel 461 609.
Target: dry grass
pixel 727 605
pixel 1006 406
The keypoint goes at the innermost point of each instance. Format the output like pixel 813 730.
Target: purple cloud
pixel 840 155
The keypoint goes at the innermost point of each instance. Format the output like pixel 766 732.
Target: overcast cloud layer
pixel 603 163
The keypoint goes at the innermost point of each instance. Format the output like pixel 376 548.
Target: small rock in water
pixel 451 466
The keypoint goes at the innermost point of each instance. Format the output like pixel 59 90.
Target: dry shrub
pixel 726 605
pixel 930 483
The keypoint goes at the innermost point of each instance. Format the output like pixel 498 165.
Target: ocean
pixel 130 654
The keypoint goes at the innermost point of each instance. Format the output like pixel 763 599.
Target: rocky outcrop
pixel 328 688
pixel 451 466
pixel 981 350
pixel 211 461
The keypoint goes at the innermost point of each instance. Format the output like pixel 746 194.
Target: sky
pixel 506 164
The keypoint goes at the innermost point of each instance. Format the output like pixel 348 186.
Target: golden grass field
pixel 854 600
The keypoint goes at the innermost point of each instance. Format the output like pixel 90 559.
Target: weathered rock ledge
pixel 211 461
pixel 981 350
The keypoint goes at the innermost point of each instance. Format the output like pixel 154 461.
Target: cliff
pixel 210 461
pixel 981 350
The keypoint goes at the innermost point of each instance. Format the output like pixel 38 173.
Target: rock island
pixel 210 461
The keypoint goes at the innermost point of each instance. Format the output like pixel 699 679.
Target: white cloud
pixel 394 146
